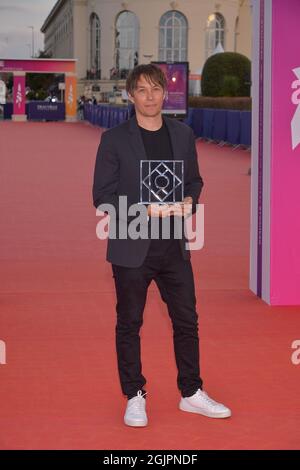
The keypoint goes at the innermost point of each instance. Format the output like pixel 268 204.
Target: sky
pixel 15 17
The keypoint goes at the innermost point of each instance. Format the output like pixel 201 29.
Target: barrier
pixel 41 110
pixel 8 110
pixel 245 128
pixel 197 121
pixel 208 123
pixel 233 127
pixel 189 119
pixel 220 128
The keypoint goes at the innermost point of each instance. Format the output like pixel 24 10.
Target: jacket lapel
pixel 136 139
pixel 175 141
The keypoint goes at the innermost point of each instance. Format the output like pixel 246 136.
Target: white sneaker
pixel 135 414
pixel 201 403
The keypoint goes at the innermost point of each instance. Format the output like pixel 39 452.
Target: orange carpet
pixel 60 387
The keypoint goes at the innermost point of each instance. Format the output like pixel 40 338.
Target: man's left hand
pixel 183 209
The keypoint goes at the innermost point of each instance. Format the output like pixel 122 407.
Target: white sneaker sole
pixel 183 406
pixel 135 424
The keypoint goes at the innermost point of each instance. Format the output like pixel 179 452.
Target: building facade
pixel 109 37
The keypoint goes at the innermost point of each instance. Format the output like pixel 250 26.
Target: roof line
pixel 52 13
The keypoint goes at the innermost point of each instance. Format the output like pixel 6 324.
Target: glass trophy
pixel 161 181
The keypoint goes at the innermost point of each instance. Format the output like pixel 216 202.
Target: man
pixel 138 261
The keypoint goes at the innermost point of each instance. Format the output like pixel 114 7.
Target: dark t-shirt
pixel 158 146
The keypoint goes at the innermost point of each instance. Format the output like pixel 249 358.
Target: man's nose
pixel 149 95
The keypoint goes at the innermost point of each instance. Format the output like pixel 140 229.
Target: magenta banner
pixel 38 65
pixel 275 168
pixel 19 94
pixel 285 195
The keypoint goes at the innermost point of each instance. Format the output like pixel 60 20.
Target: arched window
pixel 236 34
pixel 95 30
pixel 215 33
pixel 173 28
pixel 126 42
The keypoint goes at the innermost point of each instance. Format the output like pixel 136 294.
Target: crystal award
pixel 161 181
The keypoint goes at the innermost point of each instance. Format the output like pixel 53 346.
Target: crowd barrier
pixel 219 125
pixel 42 110
pixel 39 111
pixel 105 115
pixel 8 110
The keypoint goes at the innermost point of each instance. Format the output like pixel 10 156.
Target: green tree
pixel 226 74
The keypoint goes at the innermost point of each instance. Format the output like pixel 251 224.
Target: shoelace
pixel 137 403
pixel 208 400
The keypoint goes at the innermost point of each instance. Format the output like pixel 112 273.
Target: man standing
pixel 136 262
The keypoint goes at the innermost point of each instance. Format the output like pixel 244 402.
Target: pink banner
pixel 19 95
pixel 285 162
pixel 38 65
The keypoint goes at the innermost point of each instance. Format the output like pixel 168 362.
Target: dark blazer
pixel 117 172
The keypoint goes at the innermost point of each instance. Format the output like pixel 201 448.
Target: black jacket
pixel 117 172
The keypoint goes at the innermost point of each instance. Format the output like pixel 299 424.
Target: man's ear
pixel 130 98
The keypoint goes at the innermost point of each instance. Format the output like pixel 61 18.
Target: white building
pixel 108 37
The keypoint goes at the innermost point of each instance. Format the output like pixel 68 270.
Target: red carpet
pixel 59 387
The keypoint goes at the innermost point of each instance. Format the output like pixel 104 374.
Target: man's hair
pixel 152 74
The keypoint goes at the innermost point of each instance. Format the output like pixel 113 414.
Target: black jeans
pixel 174 277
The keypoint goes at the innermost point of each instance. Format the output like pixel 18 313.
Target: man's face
pixel 148 98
